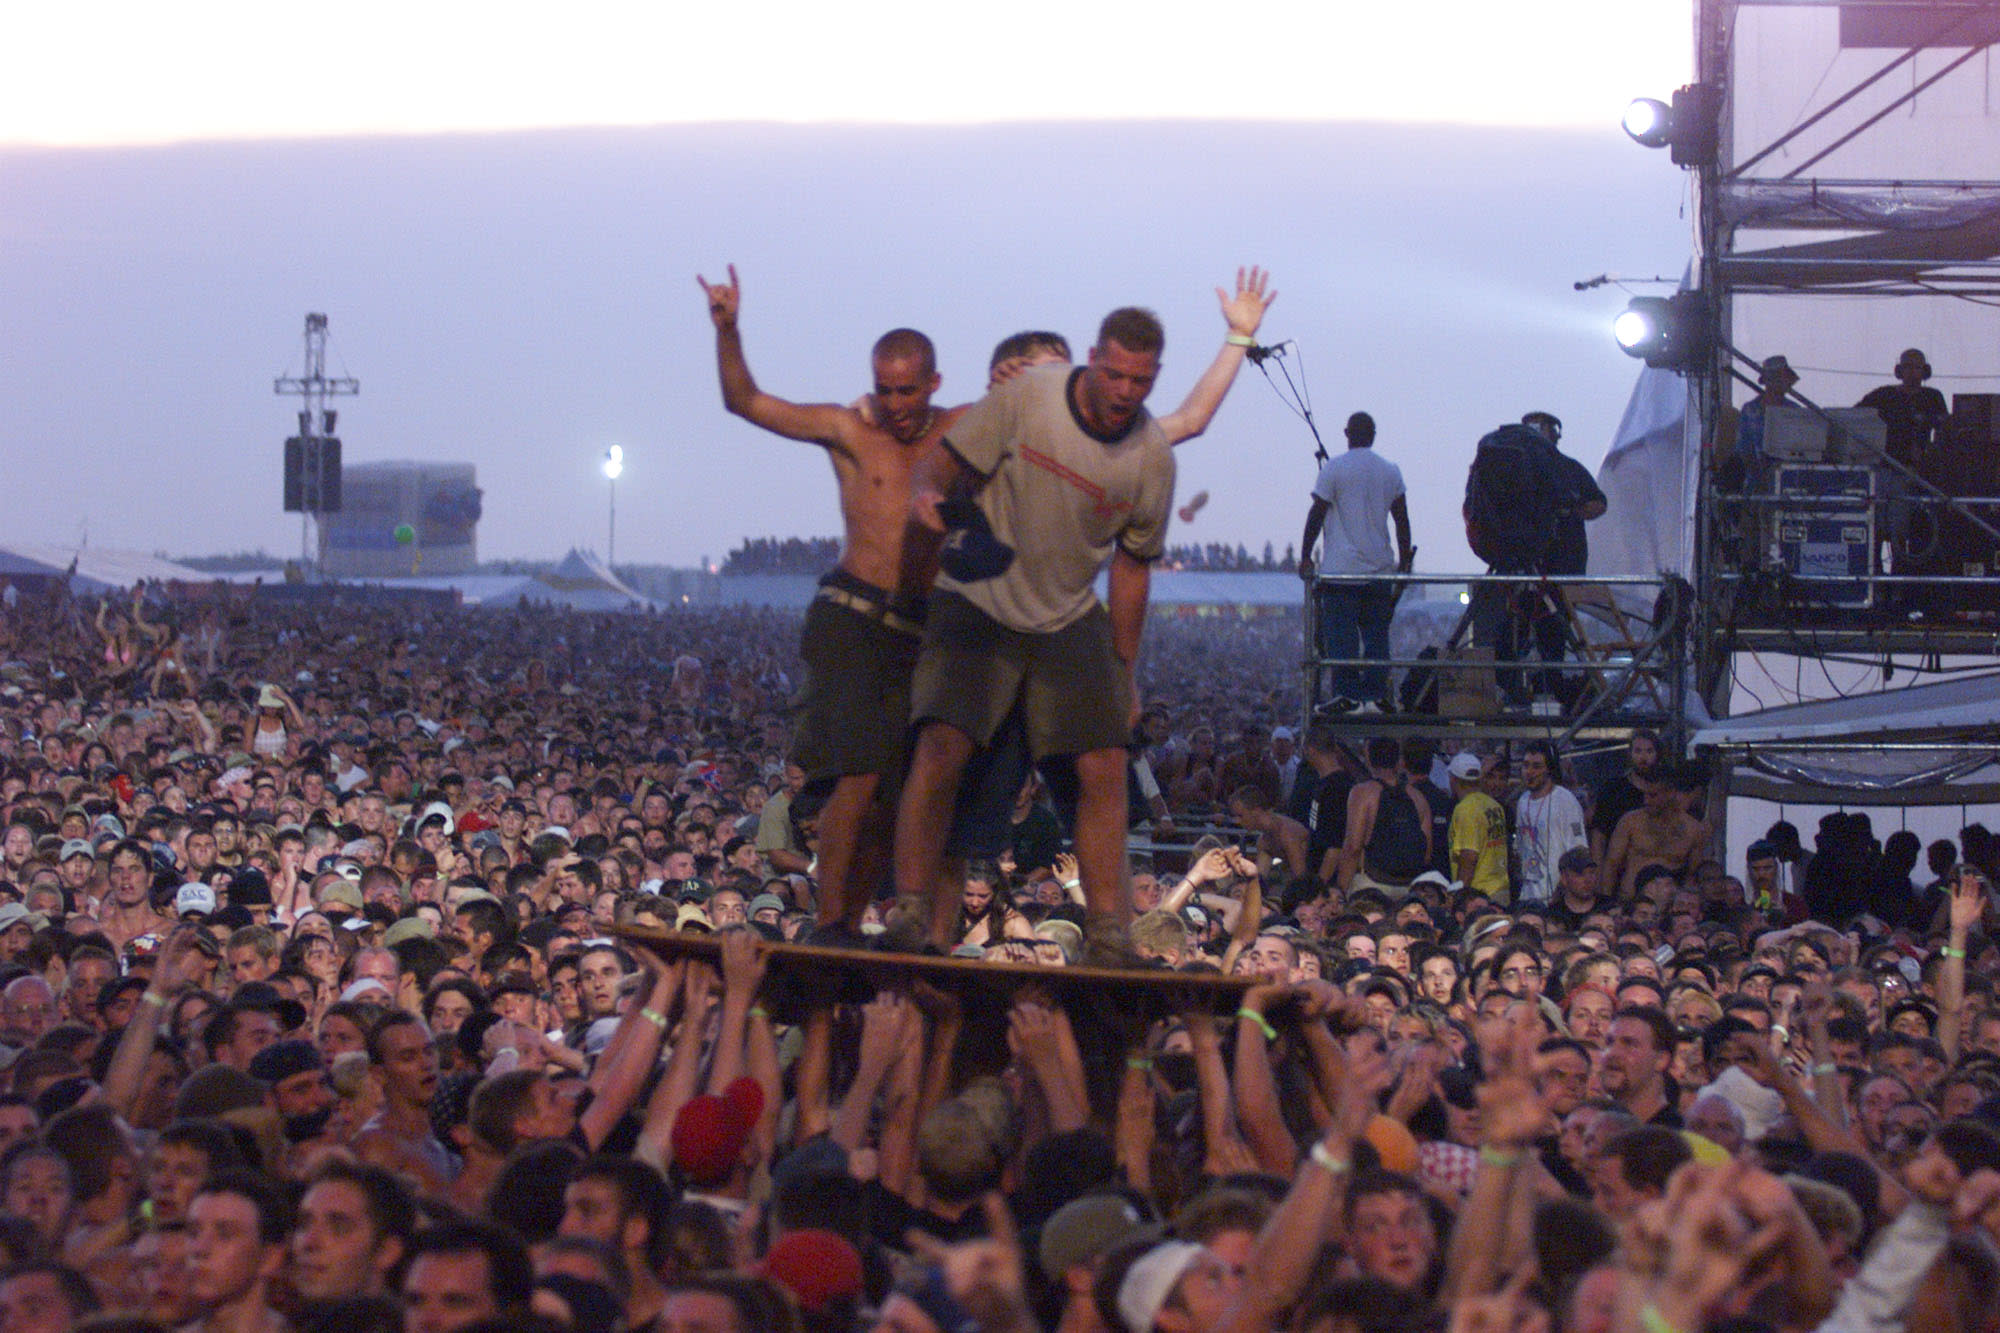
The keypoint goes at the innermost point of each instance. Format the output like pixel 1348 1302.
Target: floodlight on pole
pixel 614 464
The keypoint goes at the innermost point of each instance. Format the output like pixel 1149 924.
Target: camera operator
pixel 1526 503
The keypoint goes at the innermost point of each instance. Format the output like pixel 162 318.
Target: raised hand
pixel 1245 310
pixel 1968 900
pixel 724 298
pixel 743 962
pixel 1213 865
pixel 886 1022
pixel 986 1276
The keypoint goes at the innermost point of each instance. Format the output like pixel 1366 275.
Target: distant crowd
pixel 326 1003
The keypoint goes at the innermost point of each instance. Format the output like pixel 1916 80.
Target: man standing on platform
pixel 861 632
pixel 1364 494
pixel 1070 472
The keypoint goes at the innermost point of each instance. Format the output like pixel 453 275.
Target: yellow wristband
pixel 655 1017
pixel 153 998
pixel 1500 1157
pixel 1653 1321
pixel 1139 1062
pixel 1240 340
pixel 1950 952
pixel 1270 1033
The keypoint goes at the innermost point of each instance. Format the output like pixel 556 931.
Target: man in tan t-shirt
pixel 1070 472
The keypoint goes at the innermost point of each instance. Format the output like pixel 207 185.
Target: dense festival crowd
pixel 318 1010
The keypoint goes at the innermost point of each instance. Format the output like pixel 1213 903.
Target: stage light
pixel 1690 128
pixel 1667 332
pixel 1632 329
pixel 614 462
pixel 1649 121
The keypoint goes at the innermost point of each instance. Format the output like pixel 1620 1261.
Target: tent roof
pixel 97 567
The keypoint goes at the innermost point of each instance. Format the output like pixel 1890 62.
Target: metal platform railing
pixel 1621 663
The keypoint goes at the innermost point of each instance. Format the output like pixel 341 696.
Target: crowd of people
pixel 317 1012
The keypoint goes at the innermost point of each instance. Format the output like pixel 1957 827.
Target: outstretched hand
pixel 724 298
pixel 1245 310
pixel 1968 900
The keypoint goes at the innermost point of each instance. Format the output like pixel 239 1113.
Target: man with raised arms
pixel 861 632
pixel 1070 472
pixel 993 778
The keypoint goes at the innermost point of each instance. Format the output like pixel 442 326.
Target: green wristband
pixel 1270 1033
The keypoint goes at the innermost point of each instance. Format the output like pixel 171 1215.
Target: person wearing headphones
pixel 1914 412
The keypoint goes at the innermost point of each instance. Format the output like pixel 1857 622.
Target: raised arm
pixel 634 1050
pixel 1243 312
pixel 818 423
pixel 1967 904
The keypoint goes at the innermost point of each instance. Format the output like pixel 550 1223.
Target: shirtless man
pixel 861 633
pixel 127 910
pixel 1659 832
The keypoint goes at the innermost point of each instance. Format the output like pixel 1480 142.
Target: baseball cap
pixel 1150 1280
pixel 195 898
pixel 1576 858
pixel 1465 766
pixel 819 1268
pixel 408 928
pixel 73 848
pixel 11 915
pixel 710 1131
pixel 341 892
pixel 1082 1229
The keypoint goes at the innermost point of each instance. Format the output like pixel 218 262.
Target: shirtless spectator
pixel 1659 833
pixel 860 639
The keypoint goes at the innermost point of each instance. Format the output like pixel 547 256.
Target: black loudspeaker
pixel 312 475
pixel 329 477
pixel 295 475
pixel 1959 550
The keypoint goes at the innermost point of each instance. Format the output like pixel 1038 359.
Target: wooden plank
pixel 1204 988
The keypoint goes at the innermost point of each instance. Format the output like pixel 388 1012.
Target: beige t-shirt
pixel 1060 496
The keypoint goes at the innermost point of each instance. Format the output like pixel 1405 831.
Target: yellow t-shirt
pixel 1479 825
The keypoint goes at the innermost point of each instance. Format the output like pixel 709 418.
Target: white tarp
pixel 1648 480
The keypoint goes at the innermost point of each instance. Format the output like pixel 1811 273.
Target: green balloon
pixel 405 534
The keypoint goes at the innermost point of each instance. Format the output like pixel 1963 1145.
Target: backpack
pixel 1395 851
pixel 1510 516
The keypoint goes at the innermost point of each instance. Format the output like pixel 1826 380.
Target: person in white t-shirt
pixel 1548 821
pixel 1357 496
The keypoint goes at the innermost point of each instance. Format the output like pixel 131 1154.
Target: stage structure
pixel 403 519
pixel 312 486
pixel 1845 163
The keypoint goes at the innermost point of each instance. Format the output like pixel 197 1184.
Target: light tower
pixel 614 463
pixel 312 457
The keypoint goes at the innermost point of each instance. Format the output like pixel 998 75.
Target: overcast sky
pixel 518 292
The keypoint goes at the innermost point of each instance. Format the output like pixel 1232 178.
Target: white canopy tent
pixel 93 569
